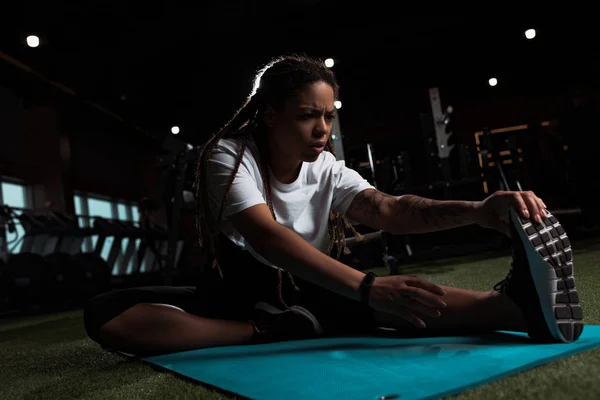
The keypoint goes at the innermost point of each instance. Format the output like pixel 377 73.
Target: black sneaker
pixel 293 323
pixel 540 281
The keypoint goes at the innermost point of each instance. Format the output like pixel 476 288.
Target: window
pixel 87 207
pixel 16 195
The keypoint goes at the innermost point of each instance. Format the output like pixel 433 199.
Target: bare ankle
pixel 509 314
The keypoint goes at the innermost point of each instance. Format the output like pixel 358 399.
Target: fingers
pixel 532 205
pixel 423 308
pixel 425 296
pixel 409 297
pixel 542 207
pixel 412 308
pixel 528 205
pixel 535 206
pixel 425 284
pixel 521 206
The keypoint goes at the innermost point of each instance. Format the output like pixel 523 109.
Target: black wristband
pixel 365 287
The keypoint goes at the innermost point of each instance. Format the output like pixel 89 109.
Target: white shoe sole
pixel 550 259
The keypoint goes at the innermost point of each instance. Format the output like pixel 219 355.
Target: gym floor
pixel 49 356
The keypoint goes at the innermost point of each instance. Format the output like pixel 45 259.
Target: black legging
pixel 245 282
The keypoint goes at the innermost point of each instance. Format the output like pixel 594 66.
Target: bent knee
pixel 131 323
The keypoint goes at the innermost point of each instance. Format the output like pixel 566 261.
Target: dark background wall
pixel 64 146
pixel 61 144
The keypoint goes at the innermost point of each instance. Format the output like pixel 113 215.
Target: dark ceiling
pixel 163 65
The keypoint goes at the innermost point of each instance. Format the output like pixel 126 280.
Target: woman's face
pixel 301 129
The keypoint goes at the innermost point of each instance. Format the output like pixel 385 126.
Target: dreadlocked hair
pixel 279 79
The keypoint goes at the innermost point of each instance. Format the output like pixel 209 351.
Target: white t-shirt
pixel 303 206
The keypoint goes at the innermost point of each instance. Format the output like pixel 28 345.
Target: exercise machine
pixel 172 193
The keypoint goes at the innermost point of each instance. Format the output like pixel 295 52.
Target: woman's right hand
pixel 407 297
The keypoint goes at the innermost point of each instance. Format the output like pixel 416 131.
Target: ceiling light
pixel 33 41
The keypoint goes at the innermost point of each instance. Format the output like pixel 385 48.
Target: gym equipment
pixel 35 239
pixel 70 235
pixel 436 129
pixel 109 246
pixel 73 276
pixel 60 274
pixel 134 255
pixel 502 154
pixel 156 242
pixel 23 281
pixel 371 163
pixel 402 173
pixel 60 280
pixel 7 223
pixel 76 275
pixel 390 262
pixel 501 161
pixel 441 121
pixel 120 236
pixel 51 271
pixel 393 175
pixel 23 278
pixel 379 367
pixel 336 138
pixel 450 174
pixel 3 287
pixel 171 194
pixel 362 258
pixel 92 276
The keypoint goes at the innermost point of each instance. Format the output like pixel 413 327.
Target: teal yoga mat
pixel 368 368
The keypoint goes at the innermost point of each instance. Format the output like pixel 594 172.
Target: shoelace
pixel 501 286
pixel 280 284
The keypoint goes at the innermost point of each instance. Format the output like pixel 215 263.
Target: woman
pixel 274 205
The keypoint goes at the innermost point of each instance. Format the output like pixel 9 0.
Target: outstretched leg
pixel 467 311
pixel 537 296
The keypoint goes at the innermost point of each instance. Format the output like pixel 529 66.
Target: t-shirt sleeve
pixel 244 192
pixel 347 183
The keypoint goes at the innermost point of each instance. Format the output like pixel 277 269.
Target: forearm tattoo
pixel 422 212
pixel 368 205
pixel 409 213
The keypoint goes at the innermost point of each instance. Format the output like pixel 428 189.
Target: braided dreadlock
pixel 279 79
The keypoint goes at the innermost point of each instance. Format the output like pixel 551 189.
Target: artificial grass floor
pixel 50 356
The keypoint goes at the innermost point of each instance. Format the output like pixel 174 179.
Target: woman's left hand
pixel 493 212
